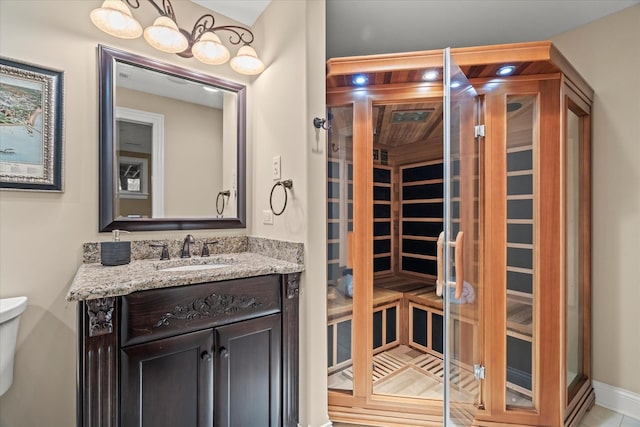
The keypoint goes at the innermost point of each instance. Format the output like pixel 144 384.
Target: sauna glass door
pixel 458 248
pixel 340 226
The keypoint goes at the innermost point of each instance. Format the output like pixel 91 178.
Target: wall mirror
pixel 172 146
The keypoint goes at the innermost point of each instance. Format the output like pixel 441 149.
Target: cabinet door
pixel 248 376
pixel 168 382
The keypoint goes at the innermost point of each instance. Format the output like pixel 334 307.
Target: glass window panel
pixel 339 225
pixel 575 332
pixel 521 133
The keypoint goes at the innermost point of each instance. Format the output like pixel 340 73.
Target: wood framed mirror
pixel 172 146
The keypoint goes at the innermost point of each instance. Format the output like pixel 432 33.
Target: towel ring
pixel 221 194
pixel 286 184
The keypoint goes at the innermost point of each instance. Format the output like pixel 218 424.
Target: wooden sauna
pixel 458 238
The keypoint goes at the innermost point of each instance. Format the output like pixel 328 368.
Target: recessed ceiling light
pixel 507 70
pixel 210 89
pixel 430 75
pixel 360 80
pixel 455 84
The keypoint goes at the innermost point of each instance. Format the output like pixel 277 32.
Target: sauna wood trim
pixel 583 389
pixel 532 58
pixel 362 356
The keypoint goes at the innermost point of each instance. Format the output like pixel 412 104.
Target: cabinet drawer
pixel 159 313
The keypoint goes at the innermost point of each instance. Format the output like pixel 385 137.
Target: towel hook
pixel 319 123
pixel 286 184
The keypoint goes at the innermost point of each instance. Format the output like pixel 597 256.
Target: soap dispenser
pixel 116 252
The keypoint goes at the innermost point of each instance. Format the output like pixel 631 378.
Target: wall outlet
pixel 267 217
pixel 276 171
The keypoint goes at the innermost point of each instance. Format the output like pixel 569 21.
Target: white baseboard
pixel 323 425
pixel 617 399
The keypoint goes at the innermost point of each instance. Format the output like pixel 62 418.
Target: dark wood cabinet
pixel 248 373
pixel 168 382
pixel 211 354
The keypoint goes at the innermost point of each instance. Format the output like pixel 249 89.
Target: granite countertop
pixel 93 280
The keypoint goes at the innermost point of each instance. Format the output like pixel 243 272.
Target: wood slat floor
pixel 404 371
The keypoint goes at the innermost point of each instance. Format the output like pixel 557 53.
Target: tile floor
pixel 603 417
pixel 597 417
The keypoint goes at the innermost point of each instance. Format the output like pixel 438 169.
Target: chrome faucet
pixel 185 246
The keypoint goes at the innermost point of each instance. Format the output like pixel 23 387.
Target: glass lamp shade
pixel 164 35
pixel 247 61
pixel 210 50
pixel 114 18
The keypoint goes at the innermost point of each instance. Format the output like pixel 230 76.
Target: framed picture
pixel 133 179
pixel 30 127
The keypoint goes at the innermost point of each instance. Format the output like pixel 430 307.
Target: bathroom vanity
pixel 190 342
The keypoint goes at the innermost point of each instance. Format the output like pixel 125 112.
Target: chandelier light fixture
pixel 115 18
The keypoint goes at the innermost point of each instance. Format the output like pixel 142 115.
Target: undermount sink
pixel 194 267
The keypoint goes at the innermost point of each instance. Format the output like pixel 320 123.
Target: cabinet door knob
pixel 206 356
pixel 224 352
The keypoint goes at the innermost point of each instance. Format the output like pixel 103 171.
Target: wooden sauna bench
pixel 412 289
pixel 339 305
pixel 387 290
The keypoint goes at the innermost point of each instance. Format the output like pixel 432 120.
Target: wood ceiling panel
pixel 424 122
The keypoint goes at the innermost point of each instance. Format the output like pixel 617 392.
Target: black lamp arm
pixel 203 24
pixel 165 10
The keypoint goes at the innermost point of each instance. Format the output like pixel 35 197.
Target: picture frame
pixel 31 127
pixel 133 177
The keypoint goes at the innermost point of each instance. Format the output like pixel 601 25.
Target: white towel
pixel 468 294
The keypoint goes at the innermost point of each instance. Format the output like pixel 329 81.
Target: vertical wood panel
pixel 98 380
pixel 548 257
pixel 290 349
pixel 362 335
pixel 494 192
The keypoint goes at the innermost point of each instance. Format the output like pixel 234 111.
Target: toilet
pixel 10 311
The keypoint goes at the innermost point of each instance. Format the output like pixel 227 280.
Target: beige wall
pixel 286 97
pixel 607 54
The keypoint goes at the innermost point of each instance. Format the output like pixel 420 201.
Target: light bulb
pixel 164 35
pixel 210 50
pixel 114 18
pixel 247 61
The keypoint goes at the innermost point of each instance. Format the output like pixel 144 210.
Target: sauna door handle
pixel 439 262
pixel 459 261
pixel 459 264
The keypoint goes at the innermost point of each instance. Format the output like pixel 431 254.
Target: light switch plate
pixel 267 217
pixel 276 171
